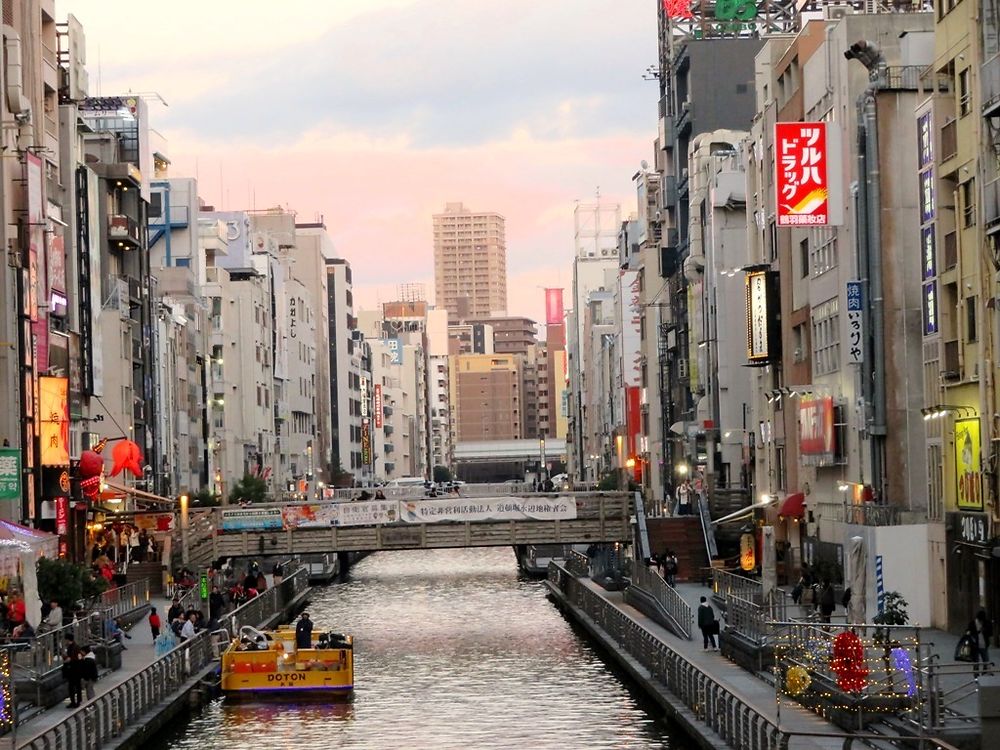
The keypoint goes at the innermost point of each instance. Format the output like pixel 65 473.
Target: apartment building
pixel 470 262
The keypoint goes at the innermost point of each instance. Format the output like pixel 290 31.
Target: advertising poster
pixel 251 519
pixel 368 513
pixel 816 445
pixel 967 466
pixel 310 516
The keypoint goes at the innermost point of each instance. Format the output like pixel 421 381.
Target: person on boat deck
pixel 303 632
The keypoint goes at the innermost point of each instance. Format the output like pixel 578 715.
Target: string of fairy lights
pixel 6 697
pixel 848 672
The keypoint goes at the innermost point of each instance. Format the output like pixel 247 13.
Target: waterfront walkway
pixel 750 689
pixel 138 655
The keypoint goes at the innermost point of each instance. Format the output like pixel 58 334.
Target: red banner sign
pixel 801 178
pixel 816 444
pixel 378 406
pixel 553 307
pixel 62 515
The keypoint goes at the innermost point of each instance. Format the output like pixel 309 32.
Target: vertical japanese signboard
pixel 395 351
pixel 763 334
pixel 801 174
pixel 10 474
pixel 366 442
pixel 855 324
pixel 968 471
pixel 378 406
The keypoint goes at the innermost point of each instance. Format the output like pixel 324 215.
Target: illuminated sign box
pixel 762 308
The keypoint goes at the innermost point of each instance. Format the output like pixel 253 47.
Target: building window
pixel 804 257
pixel 826 337
pixel 969 202
pixel 823 250
pixel 840 434
pixel 971 331
pixel 799 343
pixel 965 92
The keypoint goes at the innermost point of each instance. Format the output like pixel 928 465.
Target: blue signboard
pixel 395 351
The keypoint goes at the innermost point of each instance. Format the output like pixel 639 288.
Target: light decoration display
pixel 859 670
pixel 797 680
pixel 7 718
pixel 848 662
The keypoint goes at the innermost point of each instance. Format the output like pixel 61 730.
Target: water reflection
pixel 452 650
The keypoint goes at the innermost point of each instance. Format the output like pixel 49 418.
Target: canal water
pixel 452 650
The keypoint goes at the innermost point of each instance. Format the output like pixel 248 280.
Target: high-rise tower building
pixel 470 263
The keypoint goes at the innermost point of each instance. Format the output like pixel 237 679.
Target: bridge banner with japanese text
pixel 488 509
pixel 367 512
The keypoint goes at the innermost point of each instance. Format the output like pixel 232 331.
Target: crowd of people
pixel 123 543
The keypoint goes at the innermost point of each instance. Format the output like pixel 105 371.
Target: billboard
pixel 366 442
pixel 553 307
pixel 968 471
pixel 801 174
pixel 816 440
pixel 53 405
pixel 395 347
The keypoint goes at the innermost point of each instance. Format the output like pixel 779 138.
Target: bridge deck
pixel 600 517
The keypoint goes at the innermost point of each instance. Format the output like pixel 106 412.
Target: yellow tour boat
pixel 269 662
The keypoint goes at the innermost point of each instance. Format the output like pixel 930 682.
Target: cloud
pixel 376 113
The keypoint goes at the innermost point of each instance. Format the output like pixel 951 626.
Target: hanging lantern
pixel 748 554
pixel 127 456
pixel 797 680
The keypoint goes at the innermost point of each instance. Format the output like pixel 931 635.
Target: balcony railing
pixel 990 77
pixel 991 205
pixel 872 515
pixel 123 231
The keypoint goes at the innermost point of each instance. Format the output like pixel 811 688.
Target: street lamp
pixel 184 528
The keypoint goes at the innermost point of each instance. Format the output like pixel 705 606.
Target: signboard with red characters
pixel 801 179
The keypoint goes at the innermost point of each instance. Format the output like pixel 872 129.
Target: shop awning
pixel 746 512
pixel 793 506
pixel 149 496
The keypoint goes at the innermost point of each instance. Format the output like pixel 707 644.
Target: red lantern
pixel 90 470
pixel 127 456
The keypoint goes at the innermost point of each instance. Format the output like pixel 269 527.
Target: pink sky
pixel 375 113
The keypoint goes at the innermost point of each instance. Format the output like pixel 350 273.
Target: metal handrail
pixel 119 600
pixel 725 584
pixel 578 564
pixel 946 685
pixel 678 610
pixel 42 654
pixel 115 712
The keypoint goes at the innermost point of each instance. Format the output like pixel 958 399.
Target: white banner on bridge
pixel 247 519
pixel 488 509
pixel 367 512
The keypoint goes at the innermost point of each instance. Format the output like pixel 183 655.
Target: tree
pixel 205 499
pixel 66 582
pixel 249 489
pixel 609 482
pixel 339 477
pixel 442 474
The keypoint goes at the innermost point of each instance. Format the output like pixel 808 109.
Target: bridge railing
pixel 264 605
pixel 418 491
pixel 578 564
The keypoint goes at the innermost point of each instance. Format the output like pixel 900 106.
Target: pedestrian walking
pixel 670 568
pixel 154 623
pixel 71 670
pixel 827 602
pixel 188 629
pixel 683 497
pixel 798 589
pixel 981 631
pixel 216 603
pixel 707 623
pixel 88 670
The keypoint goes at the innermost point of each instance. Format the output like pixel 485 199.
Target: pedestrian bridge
pixel 408 523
